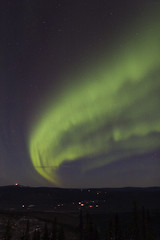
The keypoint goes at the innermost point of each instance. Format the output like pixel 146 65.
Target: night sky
pixel 80 93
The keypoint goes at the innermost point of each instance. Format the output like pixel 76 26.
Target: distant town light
pixel 16 184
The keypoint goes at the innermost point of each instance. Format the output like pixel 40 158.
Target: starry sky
pixel 80 93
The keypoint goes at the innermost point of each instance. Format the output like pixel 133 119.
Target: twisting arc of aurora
pixel 110 112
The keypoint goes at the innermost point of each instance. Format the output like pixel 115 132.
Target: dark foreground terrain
pixel 88 214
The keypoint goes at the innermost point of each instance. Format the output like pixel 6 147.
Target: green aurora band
pixel 111 110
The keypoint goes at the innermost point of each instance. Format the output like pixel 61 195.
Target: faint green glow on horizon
pixel 114 108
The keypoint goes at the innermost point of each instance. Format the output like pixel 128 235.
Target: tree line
pixel 138 227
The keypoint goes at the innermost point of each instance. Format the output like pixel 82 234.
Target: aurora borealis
pixel 98 122
pixel 111 112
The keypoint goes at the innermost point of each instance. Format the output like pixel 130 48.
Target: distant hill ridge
pixel 116 199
